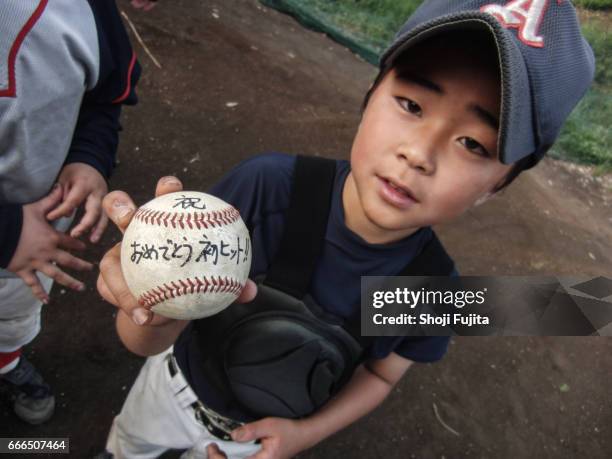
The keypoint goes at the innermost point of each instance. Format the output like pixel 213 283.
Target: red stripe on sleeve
pixel 128 87
pixel 11 91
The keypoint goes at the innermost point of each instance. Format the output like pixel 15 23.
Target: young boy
pixel 470 94
pixel 67 69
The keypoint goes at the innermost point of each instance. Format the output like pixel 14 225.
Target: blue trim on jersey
pixel 11 220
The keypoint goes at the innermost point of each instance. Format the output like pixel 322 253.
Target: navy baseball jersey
pixel 260 189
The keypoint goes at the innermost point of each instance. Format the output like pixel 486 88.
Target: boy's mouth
pixel 396 194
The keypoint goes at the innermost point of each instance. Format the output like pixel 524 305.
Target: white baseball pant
pixel 157 416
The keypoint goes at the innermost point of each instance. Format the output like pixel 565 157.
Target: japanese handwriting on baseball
pixel 209 251
pixel 187 202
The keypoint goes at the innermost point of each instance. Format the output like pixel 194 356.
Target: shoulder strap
pixel 305 226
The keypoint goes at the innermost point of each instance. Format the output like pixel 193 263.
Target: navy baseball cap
pixel 546 65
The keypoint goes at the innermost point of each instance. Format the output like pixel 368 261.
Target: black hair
pixel 520 166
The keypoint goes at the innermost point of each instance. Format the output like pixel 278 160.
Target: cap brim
pixel 517 131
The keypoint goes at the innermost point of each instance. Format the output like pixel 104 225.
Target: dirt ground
pixel 297 91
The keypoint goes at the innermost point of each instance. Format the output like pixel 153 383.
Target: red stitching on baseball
pixel 198 220
pixel 189 286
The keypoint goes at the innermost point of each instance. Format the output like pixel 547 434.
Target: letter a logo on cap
pixel 525 15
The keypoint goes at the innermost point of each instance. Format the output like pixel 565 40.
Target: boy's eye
pixel 410 106
pixel 474 147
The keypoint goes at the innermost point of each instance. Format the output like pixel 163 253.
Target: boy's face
pixel 426 147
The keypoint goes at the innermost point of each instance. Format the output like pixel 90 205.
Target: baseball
pixel 186 255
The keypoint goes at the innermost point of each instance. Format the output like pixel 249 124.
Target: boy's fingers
pixel 60 276
pixel 98 230
pixel 110 270
pixel 68 242
pixel 71 202
pixel 249 292
pixel 91 216
pixel 251 431
pixel 120 208
pixel 214 452
pixel 70 261
pixel 104 291
pixel 32 281
pixel 168 184
pixel 52 199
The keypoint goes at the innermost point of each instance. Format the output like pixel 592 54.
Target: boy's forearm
pixel 148 339
pixel 364 392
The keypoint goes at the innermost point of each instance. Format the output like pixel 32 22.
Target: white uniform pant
pixel 19 312
pixel 157 416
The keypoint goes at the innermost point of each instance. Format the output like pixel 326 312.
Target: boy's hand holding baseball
pixel 111 283
pixel 42 248
pixel 82 183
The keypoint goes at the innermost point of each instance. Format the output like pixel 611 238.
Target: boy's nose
pixel 417 157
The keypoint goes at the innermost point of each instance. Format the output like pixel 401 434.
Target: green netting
pixel 313 19
pixel 594 4
pixel 586 137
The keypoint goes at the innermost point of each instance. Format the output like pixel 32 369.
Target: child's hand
pixel 280 438
pixel 111 283
pixel 82 183
pixel 213 452
pixel 42 248
pixel 146 5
